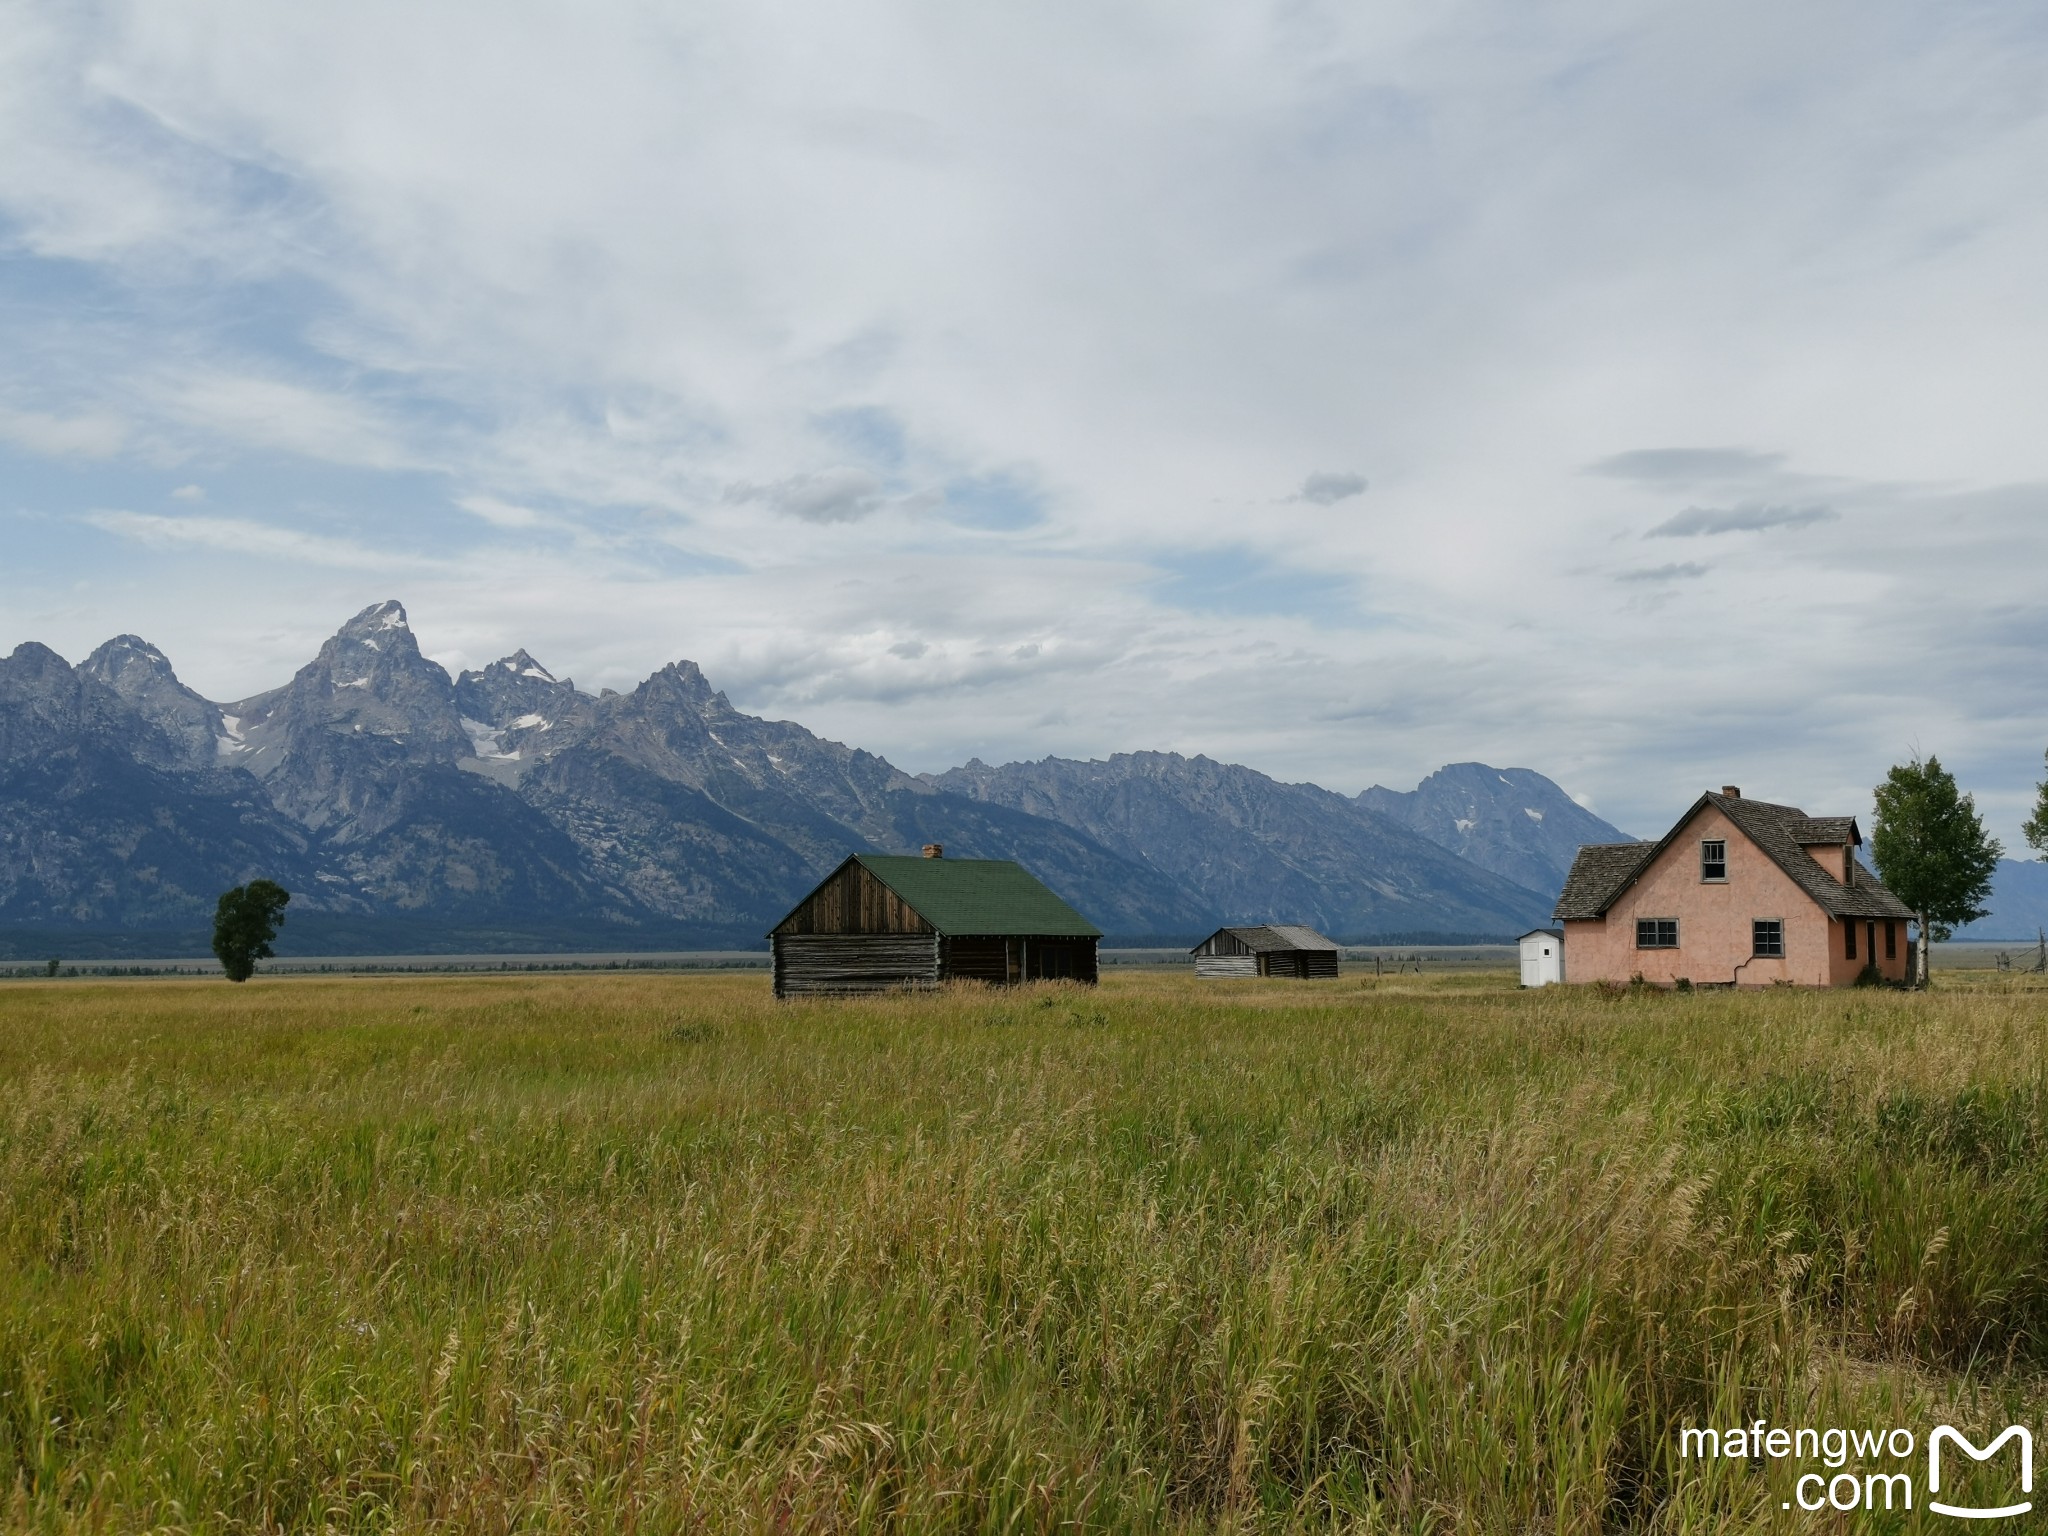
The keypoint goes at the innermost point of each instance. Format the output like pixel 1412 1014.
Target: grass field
pixel 654 1253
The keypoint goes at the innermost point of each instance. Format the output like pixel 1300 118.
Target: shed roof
pixel 1541 933
pixel 1277 938
pixel 1602 871
pixel 978 896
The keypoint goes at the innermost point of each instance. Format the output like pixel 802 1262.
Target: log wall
pixel 811 963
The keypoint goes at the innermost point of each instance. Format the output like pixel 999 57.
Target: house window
pixel 1714 859
pixel 1891 939
pixel 1656 933
pixel 1849 939
pixel 1767 938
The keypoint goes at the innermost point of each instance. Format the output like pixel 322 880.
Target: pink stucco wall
pixel 1714 933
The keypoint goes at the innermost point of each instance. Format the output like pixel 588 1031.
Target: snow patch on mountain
pixel 486 741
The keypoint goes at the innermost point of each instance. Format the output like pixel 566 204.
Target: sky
pixel 1646 394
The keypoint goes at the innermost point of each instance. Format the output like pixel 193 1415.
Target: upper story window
pixel 1767 938
pixel 1656 933
pixel 1713 859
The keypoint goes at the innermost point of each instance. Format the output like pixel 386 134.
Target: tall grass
pixel 648 1253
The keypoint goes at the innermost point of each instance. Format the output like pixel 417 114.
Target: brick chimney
pixel 1731 791
pixel 935 850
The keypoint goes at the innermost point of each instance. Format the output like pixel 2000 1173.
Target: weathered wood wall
pixel 1299 964
pixel 853 901
pixel 1216 967
pixel 1061 959
pixel 992 960
pixel 835 962
pixel 1221 944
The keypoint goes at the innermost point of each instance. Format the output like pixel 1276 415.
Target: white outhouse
pixel 1542 956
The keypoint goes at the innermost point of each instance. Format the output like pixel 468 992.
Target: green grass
pixel 655 1253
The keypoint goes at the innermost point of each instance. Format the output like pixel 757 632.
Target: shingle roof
pixel 1810 830
pixel 978 896
pixel 1782 831
pixel 1276 938
pixel 1602 871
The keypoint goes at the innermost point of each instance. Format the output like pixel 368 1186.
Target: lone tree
pixel 1932 850
pixel 2036 826
pixel 244 923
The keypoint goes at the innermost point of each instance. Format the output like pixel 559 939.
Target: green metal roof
pixel 978 896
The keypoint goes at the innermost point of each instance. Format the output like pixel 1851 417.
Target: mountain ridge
pixel 383 789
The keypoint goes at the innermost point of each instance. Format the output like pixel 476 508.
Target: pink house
pixel 1739 892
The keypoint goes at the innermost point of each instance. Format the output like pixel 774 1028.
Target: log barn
pixel 1275 949
pixel 881 922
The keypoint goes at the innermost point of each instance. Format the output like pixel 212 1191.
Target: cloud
pixel 500 514
pixel 1327 487
pixel 92 435
pixel 1685 465
pixel 240 537
pixel 189 493
pixel 1747 517
pixel 1242 581
pixel 1001 502
pixel 1687 571
pixel 612 271
pixel 830 496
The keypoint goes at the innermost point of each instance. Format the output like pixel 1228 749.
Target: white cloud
pixel 248 540
pixel 1747 261
pixel 500 514
pixel 91 435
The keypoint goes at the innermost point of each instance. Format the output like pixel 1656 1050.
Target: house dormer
pixel 1830 841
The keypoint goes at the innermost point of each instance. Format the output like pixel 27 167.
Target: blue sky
pixel 1646 394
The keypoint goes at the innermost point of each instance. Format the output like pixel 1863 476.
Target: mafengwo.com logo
pixel 1883 1469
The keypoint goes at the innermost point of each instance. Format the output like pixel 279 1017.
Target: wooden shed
pixel 1276 949
pixel 880 922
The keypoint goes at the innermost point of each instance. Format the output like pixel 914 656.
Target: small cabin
pixel 1276 949
pixel 883 922
pixel 1542 956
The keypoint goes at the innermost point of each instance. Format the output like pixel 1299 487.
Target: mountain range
pixel 505 808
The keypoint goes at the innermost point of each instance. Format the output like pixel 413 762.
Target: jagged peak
pixel 682 676
pixel 133 645
pixel 126 657
pixel 521 664
pixel 376 619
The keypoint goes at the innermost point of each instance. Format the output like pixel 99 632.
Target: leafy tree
pixel 1932 850
pixel 2036 826
pixel 244 922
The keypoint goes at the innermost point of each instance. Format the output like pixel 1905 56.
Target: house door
pixel 1870 944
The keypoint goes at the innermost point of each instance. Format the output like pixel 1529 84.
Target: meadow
pixel 651 1253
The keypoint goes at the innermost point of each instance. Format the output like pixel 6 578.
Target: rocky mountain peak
pixel 521 664
pixel 375 620
pixel 1513 821
pixel 127 656
pixel 143 675
pixel 47 708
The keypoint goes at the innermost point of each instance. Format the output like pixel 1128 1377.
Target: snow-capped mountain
pixel 1512 821
pixel 509 807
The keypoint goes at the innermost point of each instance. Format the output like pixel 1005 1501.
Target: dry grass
pixel 653 1253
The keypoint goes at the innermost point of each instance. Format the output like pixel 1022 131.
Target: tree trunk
pixel 1923 953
